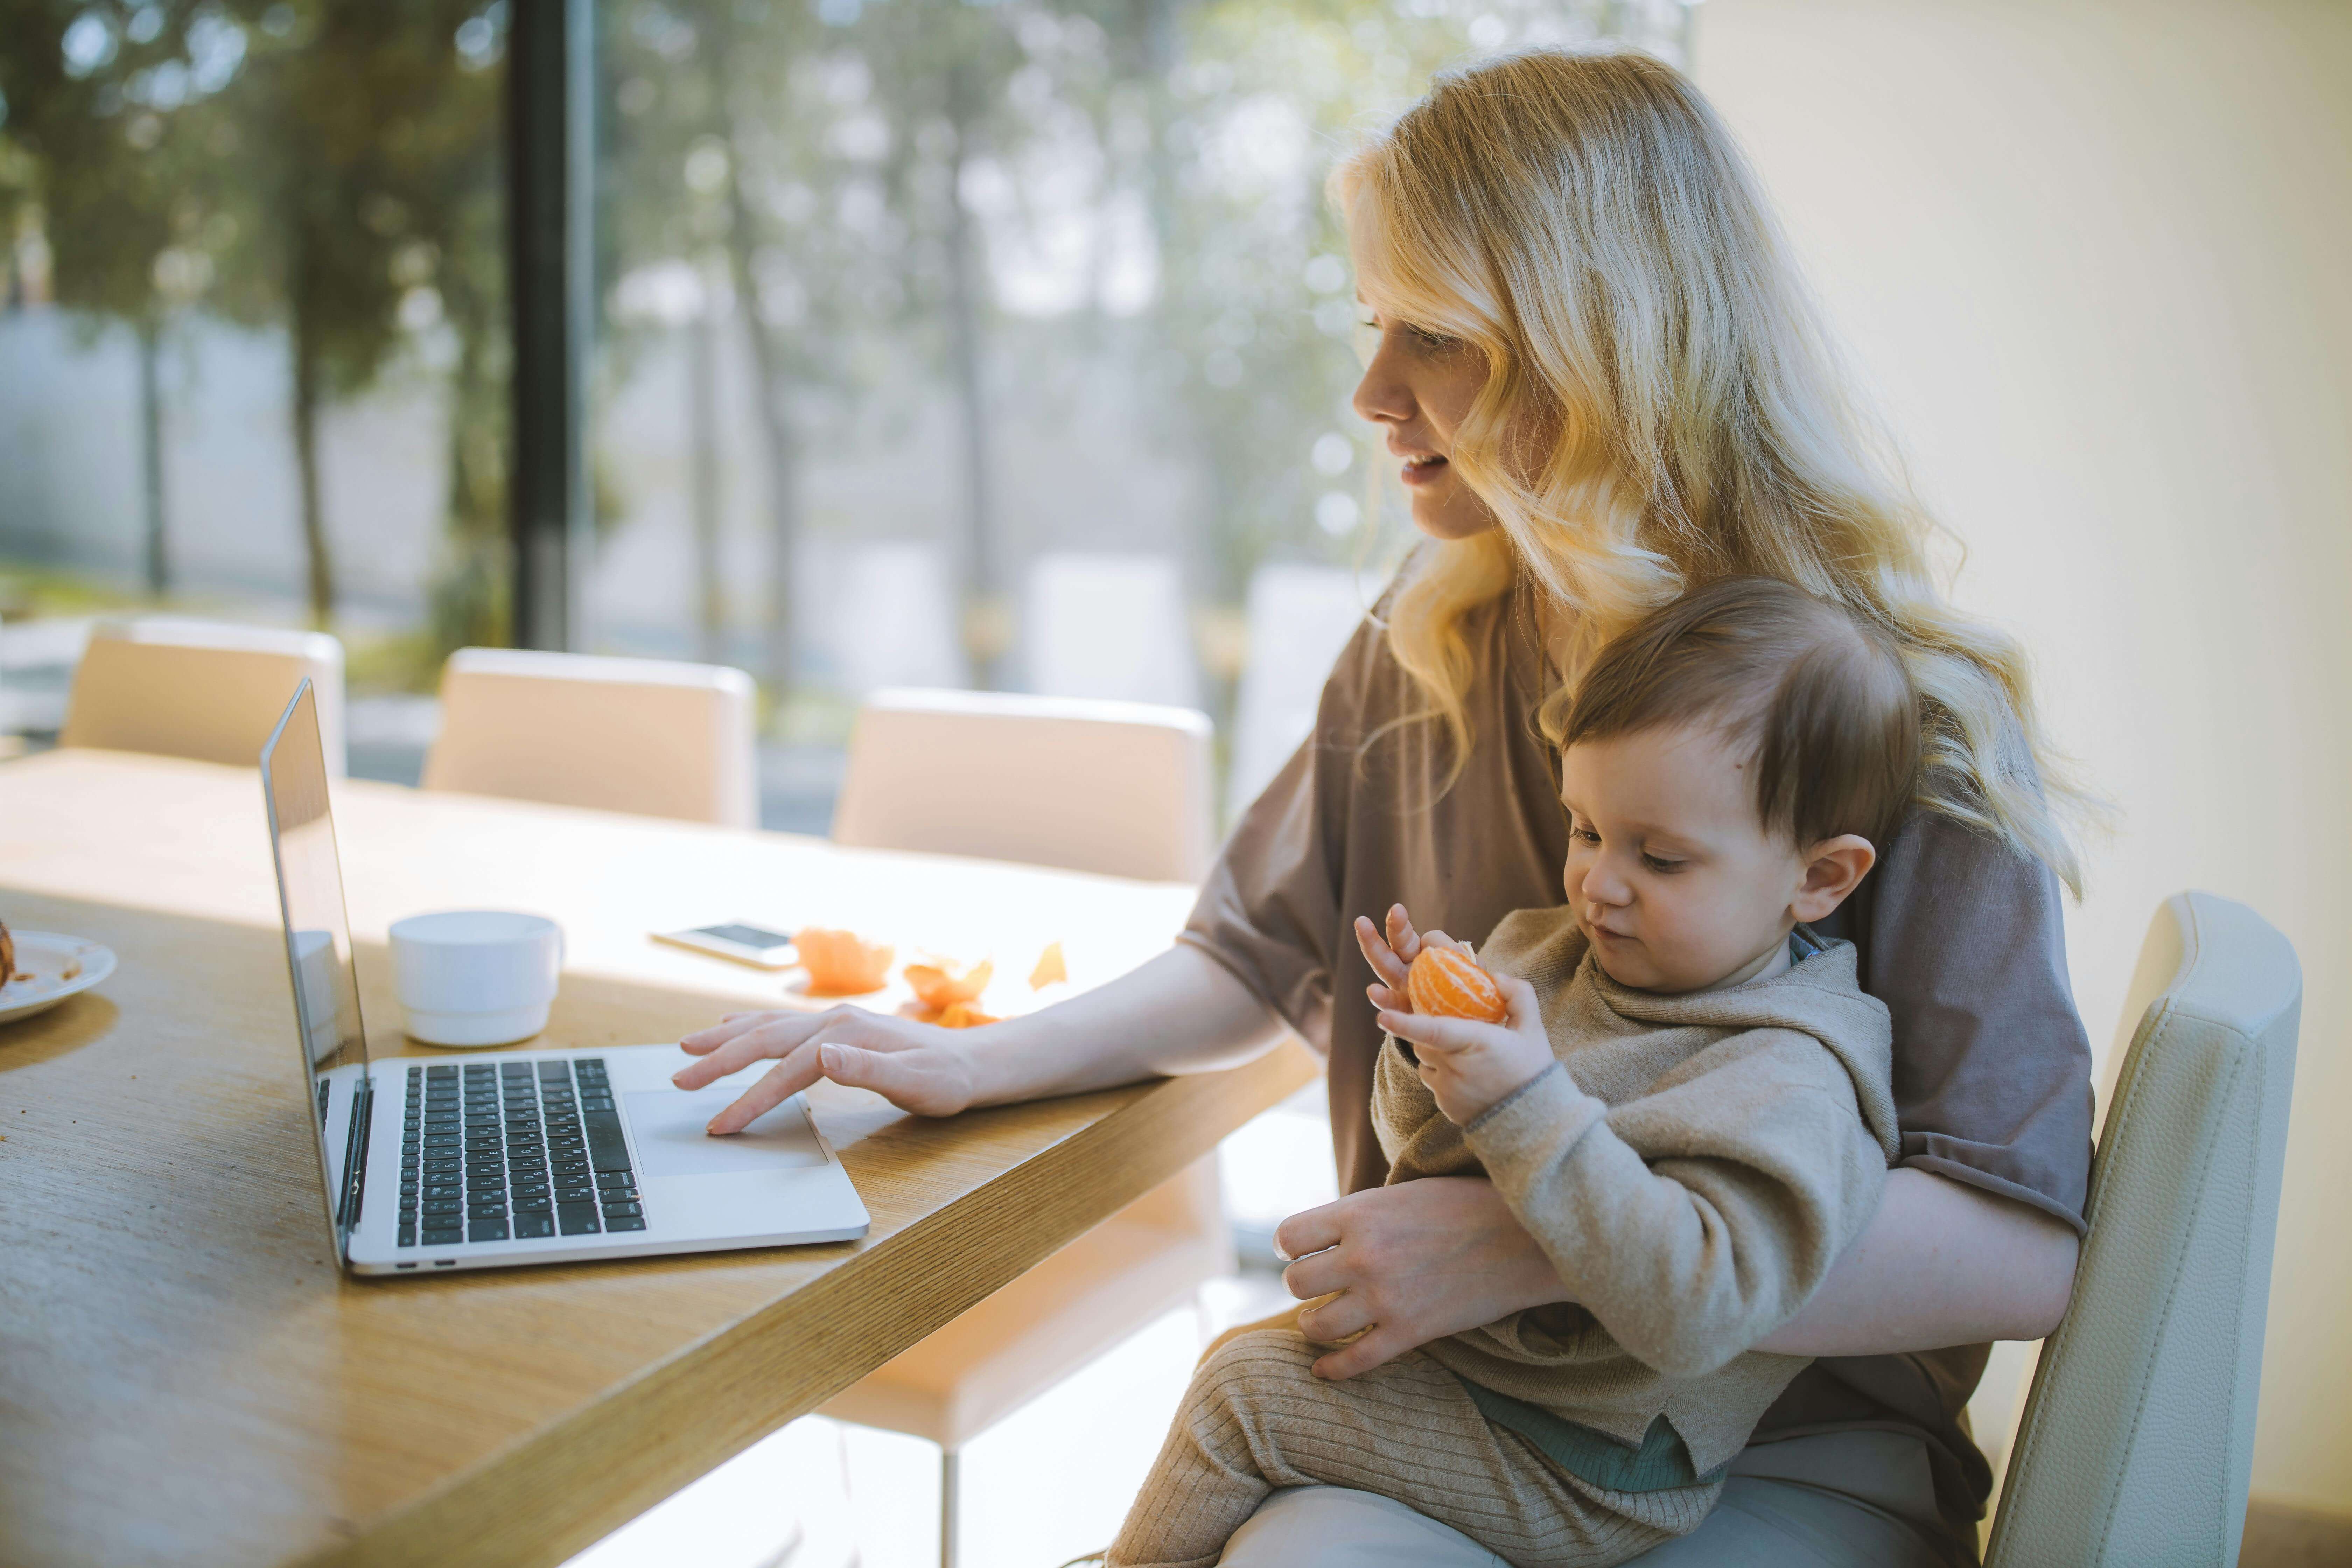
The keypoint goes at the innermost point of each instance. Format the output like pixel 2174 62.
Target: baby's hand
pixel 1391 959
pixel 1469 1065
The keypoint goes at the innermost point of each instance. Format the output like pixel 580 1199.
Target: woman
pixel 1604 383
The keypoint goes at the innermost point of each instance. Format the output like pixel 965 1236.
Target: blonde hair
pixel 1584 221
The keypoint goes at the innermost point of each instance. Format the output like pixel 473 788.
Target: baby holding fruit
pixel 1680 1090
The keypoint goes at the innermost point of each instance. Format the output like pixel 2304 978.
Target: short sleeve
pixel 1963 938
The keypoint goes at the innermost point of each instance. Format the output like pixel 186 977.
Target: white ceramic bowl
pixel 476 977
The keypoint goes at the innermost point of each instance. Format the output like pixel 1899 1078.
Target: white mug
pixel 476 977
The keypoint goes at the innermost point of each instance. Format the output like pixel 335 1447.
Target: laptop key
pixel 614 1178
pixel 576 1219
pixel 529 1225
pixel 407 1235
pixel 535 1203
pixel 612 1209
pixel 605 1145
pixel 627 1222
pixel 488 1230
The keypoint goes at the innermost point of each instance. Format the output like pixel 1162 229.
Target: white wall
pixel 2096 260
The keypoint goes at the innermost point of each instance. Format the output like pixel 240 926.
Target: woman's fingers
pixel 790 1076
pixel 1317 1274
pixel 734 1025
pixel 1381 1345
pixel 1334 1319
pixel 1309 1231
pixel 1383 998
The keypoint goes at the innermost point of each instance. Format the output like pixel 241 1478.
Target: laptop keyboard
pixel 498 1150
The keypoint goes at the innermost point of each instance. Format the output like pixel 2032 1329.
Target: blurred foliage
pixel 854 186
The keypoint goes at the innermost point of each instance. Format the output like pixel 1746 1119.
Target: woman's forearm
pixel 1942 1263
pixel 1182 1012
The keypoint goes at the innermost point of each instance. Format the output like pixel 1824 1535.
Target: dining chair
pixel 2136 1442
pixel 1108 625
pixel 653 737
pixel 1117 788
pixel 1089 785
pixel 210 690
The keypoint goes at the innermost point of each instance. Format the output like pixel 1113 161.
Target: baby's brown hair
pixel 1814 695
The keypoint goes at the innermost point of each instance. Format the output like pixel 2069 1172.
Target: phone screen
pixel 745 936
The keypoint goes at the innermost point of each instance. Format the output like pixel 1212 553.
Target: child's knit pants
pixel 1257 1418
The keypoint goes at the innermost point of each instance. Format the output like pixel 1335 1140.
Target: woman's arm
pixel 1182 1012
pixel 1940 1263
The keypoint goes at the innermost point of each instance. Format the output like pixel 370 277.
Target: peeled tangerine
pixel 963 1016
pixel 1449 984
pixel 842 963
pixel 945 984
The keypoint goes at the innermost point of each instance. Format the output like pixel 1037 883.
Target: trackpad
pixel 668 1125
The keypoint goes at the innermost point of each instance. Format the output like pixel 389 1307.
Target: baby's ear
pixel 1833 868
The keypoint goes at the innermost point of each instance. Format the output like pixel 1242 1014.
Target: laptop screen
pixel 319 956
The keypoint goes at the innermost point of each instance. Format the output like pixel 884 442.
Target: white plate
pixel 58 967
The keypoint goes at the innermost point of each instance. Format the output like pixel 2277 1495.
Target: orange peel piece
pixel 1050 967
pixel 963 1016
pixel 945 984
pixel 1451 984
pixel 842 963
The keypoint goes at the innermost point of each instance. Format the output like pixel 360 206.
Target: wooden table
pixel 185 1377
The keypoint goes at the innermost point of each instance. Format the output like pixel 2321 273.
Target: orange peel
pixel 945 984
pixel 963 1016
pixel 1050 967
pixel 1451 984
pixel 842 963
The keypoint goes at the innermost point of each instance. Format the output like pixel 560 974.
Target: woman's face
pixel 1418 388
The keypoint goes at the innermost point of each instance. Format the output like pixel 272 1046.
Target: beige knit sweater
pixel 1693 1166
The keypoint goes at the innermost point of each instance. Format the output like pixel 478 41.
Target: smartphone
pixel 738 939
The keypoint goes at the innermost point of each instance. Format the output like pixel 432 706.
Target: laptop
pixel 485 1160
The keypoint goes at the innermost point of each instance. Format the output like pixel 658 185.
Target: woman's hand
pixel 919 1068
pixel 1409 1264
pixel 1182 1012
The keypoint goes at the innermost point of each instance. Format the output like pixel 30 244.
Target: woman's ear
pixel 1833 868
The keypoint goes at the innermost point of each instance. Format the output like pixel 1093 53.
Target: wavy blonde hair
pixel 1584 221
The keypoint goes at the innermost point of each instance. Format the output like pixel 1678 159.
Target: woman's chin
pixel 1453 516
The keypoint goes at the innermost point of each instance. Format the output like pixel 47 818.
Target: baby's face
pixel 1673 877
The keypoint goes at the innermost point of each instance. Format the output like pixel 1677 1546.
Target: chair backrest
pixel 211 690
pixel 643 735
pixel 2138 1438
pixel 1113 627
pixel 1116 787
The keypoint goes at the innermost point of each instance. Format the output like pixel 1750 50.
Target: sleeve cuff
pixel 1532 1128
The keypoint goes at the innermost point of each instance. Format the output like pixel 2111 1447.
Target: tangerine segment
pixel 945 984
pixel 1451 984
pixel 842 963
pixel 963 1016
pixel 1050 968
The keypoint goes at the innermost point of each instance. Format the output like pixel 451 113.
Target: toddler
pixel 1687 1104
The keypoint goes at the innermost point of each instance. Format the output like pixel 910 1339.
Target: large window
pixel 939 343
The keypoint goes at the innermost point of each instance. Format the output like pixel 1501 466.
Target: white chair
pixel 1116 787
pixel 893 617
pixel 1300 618
pixel 649 736
pixel 210 690
pixel 1111 627
pixel 2138 1438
